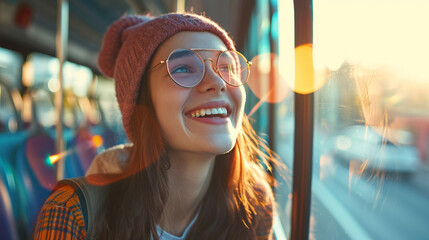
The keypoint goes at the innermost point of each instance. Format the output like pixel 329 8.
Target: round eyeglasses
pixel 187 68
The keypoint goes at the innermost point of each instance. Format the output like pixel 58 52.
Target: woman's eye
pixel 223 68
pixel 181 69
pixel 227 68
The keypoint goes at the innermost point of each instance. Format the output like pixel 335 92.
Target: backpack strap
pixel 91 198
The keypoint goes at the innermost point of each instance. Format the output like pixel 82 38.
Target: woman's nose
pixel 211 80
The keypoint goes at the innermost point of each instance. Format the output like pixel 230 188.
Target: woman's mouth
pixel 219 112
pixel 215 112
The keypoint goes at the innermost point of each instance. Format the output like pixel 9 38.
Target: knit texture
pixel 129 44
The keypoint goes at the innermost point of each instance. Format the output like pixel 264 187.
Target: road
pixel 384 207
pixel 349 205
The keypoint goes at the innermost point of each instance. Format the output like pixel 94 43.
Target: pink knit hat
pixel 130 42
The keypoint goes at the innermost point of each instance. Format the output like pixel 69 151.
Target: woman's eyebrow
pixel 180 54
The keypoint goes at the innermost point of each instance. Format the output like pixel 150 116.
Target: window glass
pixel 268 92
pixel 105 97
pixel 41 72
pixel 10 82
pixel 44 107
pixel 10 67
pixel 8 115
pixel 258 52
pixel 371 132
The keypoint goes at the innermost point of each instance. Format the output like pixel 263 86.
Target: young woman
pixel 194 169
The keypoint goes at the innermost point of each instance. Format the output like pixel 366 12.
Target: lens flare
pixel 307 79
pixel 97 141
pixel 56 157
pixel 265 81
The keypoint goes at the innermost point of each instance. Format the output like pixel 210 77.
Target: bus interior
pixel 338 89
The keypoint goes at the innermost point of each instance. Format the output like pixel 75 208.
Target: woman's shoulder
pixel 110 161
pixel 61 215
pixel 64 196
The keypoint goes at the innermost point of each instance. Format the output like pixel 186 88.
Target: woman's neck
pixel 189 179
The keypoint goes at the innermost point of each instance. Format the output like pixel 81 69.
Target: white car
pixel 364 144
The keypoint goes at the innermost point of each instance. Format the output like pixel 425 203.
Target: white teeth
pixel 209 111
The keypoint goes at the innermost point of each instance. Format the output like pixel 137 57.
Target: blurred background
pixel 370 85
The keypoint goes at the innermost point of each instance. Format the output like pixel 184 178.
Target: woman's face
pixel 177 107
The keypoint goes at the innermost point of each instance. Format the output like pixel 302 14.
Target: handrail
pixel 62 43
pixel 303 140
pixel 272 75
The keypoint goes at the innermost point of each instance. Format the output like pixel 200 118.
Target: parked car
pixel 375 150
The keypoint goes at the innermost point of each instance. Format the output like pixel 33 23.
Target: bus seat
pixel 36 176
pixel 9 211
pixel 8 229
pixel 9 144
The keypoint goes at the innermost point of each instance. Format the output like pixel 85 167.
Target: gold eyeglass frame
pixel 215 68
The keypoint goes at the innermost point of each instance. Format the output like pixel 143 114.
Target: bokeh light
pixel 97 141
pixel 307 79
pixel 265 81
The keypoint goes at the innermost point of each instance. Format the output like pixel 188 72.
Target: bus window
pixel 41 72
pixel 108 106
pixel 371 126
pixel 44 71
pixel 10 82
pixel 268 93
pixel 10 67
pixel 9 116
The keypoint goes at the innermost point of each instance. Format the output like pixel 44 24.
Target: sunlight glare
pixel 368 32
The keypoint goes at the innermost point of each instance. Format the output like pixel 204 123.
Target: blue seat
pixel 8 221
pixel 36 176
pixel 10 212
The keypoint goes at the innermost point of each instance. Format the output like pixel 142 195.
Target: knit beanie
pixel 129 44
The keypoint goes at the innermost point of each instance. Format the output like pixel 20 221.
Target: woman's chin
pixel 219 149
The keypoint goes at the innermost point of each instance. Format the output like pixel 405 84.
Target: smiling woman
pixel 194 168
pixel 172 102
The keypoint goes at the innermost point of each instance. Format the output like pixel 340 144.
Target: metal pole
pixel 61 42
pixel 272 87
pixel 180 6
pixel 303 141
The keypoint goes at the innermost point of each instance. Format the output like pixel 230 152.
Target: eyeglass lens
pixel 186 67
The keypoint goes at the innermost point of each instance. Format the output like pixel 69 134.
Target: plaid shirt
pixel 61 218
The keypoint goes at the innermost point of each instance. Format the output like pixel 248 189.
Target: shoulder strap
pixel 91 198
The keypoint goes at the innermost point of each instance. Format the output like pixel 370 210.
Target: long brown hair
pixel 237 201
